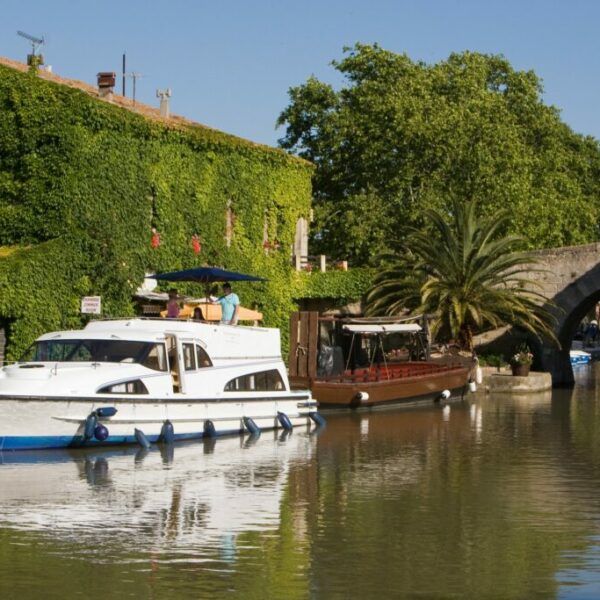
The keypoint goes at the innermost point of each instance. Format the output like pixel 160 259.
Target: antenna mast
pixel 33 59
pixel 134 76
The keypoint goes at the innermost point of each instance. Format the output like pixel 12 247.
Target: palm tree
pixel 466 274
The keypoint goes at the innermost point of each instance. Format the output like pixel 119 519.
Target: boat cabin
pixel 135 356
pixel 322 346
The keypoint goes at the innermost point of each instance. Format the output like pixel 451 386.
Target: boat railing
pixel 390 372
pixel 164 319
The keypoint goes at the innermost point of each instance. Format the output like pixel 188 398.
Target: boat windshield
pixel 149 354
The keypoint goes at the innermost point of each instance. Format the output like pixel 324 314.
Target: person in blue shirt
pixel 230 306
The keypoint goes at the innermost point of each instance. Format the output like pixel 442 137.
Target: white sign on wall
pixel 91 305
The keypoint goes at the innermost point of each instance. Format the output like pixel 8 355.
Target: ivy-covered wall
pixel 343 286
pixel 83 182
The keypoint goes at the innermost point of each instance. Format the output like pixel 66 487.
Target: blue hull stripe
pixel 64 441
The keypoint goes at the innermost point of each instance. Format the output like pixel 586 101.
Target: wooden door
pixel 304 344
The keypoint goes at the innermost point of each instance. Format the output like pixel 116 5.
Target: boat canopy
pixel 387 328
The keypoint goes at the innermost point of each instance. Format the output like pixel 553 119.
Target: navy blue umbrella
pixel 206 275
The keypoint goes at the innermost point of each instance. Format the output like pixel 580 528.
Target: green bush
pixel 491 360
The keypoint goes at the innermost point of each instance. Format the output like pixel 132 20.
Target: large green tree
pixel 400 136
pixel 464 272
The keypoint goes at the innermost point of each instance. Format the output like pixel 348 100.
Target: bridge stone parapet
pixel 570 279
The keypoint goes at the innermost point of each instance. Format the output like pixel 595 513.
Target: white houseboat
pixel 147 380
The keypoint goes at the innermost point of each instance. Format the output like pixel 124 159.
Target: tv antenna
pixel 134 76
pixel 35 43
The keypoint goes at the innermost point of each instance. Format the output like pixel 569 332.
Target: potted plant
pixel 520 362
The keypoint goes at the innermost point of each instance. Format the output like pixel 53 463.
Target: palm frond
pixel 465 272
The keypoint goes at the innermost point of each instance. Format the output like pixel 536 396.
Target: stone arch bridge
pixel 571 280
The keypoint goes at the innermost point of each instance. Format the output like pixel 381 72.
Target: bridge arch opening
pixel 571 324
pixel 570 316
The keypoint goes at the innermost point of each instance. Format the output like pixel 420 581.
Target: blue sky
pixel 230 63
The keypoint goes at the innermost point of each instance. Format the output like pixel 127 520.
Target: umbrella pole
pixel 206 301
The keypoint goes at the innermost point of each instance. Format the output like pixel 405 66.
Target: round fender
pixel 209 429
pixel 167 433
pixel 284 421
pixel 317 418
pixel 90 426
pixel 141 438
pixel 106 411
pixel 251 426
pixel 101 432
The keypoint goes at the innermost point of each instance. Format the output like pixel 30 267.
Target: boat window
pixel 188 357
pixel 156 358
pixel 263 381
pixel 55 351
pixel 136 386
pixel 147 353
pixel 202 359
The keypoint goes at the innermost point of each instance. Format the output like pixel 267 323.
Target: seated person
pixel 198 315
pixel 172 305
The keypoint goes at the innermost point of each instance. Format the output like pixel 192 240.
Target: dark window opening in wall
pixel 301 238
pixel 229 224
pixel 266 232
pixel 4 337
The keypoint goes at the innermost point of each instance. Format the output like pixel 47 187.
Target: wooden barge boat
pixel 351 363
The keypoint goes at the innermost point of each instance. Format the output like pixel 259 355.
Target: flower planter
pixel 520 370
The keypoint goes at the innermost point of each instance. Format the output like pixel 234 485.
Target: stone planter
pixel 520 370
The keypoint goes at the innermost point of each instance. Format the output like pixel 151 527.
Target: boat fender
pixel 444 395
pixel 106 411
pixel 472 386
pixel 478 375
pixel 284 435
pixel 209 429
pixel 317 418
pixel 251 426
pixel 100 432
pixel 90 426
pixel 284 421
pixel 140 455
pixel 141 438
pixel 167 453
pixel 167 433
pixel 362 396
pixel 251 440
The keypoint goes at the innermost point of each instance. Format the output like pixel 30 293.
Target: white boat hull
pixel 579 357
pixel 36 423
pixel 127 381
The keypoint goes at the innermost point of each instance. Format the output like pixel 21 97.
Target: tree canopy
pixel 401 136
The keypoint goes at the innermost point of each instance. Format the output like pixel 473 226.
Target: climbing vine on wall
pixel 83 182
pixel 344 286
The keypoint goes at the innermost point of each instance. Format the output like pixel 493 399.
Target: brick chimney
pixel 106 84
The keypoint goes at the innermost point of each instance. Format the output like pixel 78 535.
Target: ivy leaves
pixel 82 183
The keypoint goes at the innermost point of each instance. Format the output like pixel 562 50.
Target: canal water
pixel 490 497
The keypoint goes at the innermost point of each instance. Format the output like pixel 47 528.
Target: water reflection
pixel 494 497
pixel 172 496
